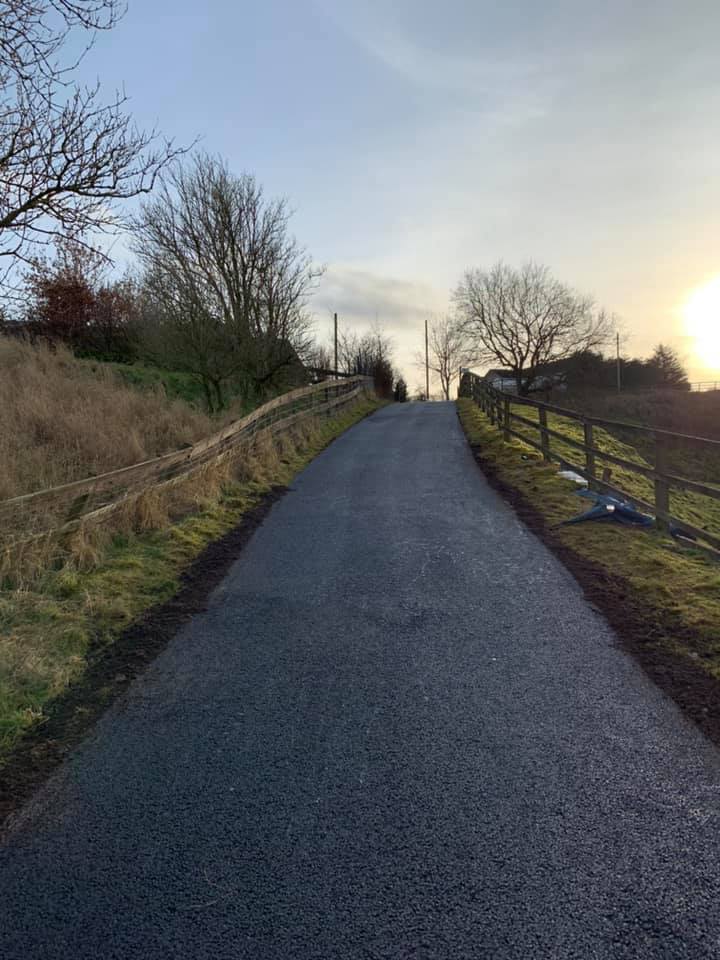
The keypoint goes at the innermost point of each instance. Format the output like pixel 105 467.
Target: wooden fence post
pixel 544 435
pixel 506 418
pixel 662 488
pixel 589 455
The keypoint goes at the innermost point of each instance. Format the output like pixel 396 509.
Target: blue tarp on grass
pixel 613 508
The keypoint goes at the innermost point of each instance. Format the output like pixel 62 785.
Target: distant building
pixel 505 382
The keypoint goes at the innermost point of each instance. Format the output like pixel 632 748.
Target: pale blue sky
pixel 415 139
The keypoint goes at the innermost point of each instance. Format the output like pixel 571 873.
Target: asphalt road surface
pixel 398 731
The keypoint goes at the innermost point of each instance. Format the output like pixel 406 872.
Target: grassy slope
pixel 47 631
pixel 176 385
pixel 675 410
pixel 677 588
pixel 696 414
pixel 62 419
pixel 701 511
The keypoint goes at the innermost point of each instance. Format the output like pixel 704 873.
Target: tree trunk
pixel 217 387
pixel 208 395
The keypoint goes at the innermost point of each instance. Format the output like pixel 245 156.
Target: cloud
pixel 446 70
pixel 363 297
pixel 506 85
pixel 366 297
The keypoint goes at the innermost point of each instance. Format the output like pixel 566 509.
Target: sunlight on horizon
pixel 702 323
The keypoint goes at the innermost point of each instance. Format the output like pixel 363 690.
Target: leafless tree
pixel 227 281
pixel 370 355
pixel 65 154
pixel 448 350
pixel 321 357
pixel 179 330
pixel 525 318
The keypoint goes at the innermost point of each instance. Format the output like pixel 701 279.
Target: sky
pixel 415 139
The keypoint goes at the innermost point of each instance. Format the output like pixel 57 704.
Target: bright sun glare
pixel 702 320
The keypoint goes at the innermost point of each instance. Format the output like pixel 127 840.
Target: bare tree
pixel 368 355
pixel 320 357
pixel 178 330
pixel 65 155
pixel 228 283
pixel 448 350
pixel 525 318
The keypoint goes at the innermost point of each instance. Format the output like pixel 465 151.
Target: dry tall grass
pixel 259 462
pixel 62 419
pixel 51 625
pixel 692 414
pixel 697 414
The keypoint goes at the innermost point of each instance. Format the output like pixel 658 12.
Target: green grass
pixel 185 387
pixel 673 583
pixel 176 385
pixel 48 629
pixel 701 511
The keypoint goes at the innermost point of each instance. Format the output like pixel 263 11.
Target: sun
pixel 702 321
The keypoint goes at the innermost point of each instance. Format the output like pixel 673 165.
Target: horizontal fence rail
pixel 323 373
pixel 662 481
pixel 705 386
pixel 60 509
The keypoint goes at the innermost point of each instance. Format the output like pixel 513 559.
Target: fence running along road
pixel 371 744
pixel 705 386
pixel 498 407
pixel 63 508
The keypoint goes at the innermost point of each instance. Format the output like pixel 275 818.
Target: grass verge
pixel 702 511
pixel 72 640
pixel 662 599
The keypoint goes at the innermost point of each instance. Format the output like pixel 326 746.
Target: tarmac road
pixel 398 731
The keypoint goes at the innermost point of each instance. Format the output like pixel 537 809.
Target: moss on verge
pixel 674 589
pixel 51 627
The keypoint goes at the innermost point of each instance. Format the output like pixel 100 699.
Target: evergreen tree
pixel 668 368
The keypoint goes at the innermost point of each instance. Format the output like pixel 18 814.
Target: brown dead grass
pixel 53 626
pixel 258 462
pixel 62 420
pixel 696 414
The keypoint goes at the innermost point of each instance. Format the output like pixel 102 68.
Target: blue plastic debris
pixel 610 508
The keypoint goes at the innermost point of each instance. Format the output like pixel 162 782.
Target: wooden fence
pixel 62 509
pixel 705 386
pixel 499 406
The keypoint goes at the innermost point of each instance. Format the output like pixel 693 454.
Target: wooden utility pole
pixel 427 364
pixel 617 354
pixel 336 350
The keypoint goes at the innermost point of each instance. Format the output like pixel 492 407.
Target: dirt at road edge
pixel 635 624
pixel 111 671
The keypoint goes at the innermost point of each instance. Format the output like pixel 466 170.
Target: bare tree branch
pixel 369 355
pixel 448 350
pixel 65 155
pixel 228 282
pixel 525 318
